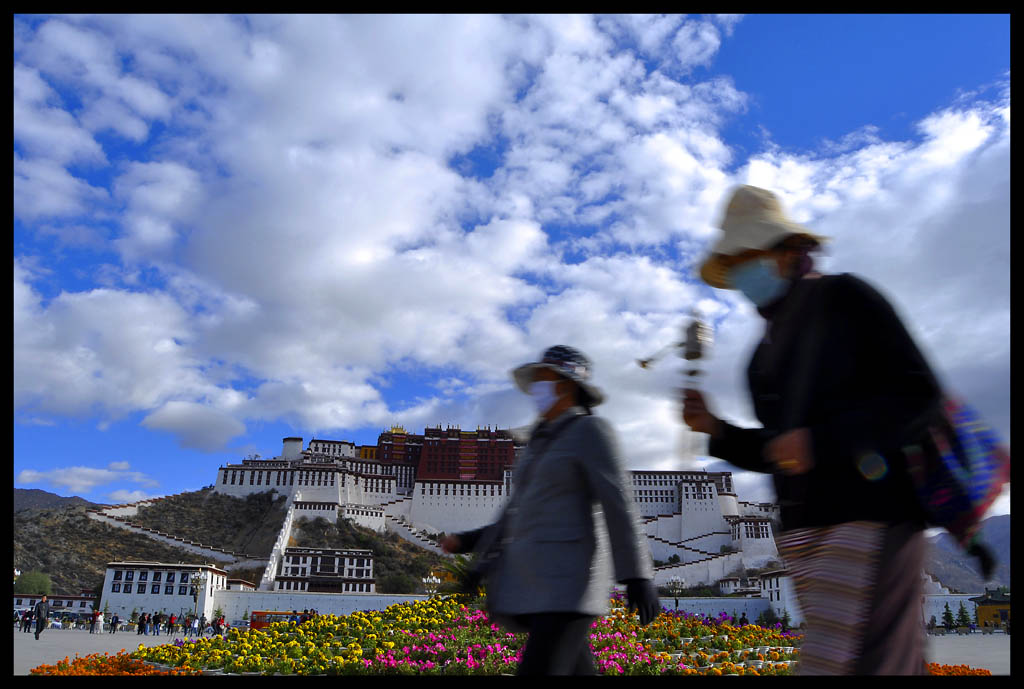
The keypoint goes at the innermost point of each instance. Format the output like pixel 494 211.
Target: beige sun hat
pixel 753 220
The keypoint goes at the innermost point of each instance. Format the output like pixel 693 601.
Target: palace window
pixel 170 577
pixel 127 588
pixel 117 577
pixel 114 588
pixel 156 576
pixel 183 590
pixel 143 576
pixel 129 575
pixel 155 588
pixel 168 590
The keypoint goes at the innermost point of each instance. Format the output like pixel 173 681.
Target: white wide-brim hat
pixel 753 219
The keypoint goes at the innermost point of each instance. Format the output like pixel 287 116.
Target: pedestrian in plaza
pixel 550 556
pixel 26 620
pixel 195 626
pixel 149 623
pixel 114 621
pixel 295 617
pixel 837 384
pixel 92 621
pixel 743 619
pixel 170 624
pixel 140 623
pixel 42 611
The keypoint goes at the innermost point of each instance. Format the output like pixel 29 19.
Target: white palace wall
pixel 235 604
pixel 450 506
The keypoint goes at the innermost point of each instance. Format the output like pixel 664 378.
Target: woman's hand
pixel 696 414
pixel 791 452
pixel 451 544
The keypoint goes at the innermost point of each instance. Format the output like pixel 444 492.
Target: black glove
pixel 985 558
pixel 642 597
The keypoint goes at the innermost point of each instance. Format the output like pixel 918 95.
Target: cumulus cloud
pixel 315 217
pixel 122 497
pixel 197 426
pixel 81 479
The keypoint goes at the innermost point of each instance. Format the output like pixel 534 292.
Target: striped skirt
pixel 859 587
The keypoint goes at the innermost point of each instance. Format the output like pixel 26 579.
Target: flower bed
pixel 446 636
pixel 106 664
pixel 955 670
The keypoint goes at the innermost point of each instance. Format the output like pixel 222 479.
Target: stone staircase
pixel 405 530
pixel 117 517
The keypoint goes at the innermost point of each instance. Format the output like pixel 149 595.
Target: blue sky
pixel 229 230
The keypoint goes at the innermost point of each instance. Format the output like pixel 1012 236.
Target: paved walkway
pixel 55 644
pixel 988 651
pixel 991 652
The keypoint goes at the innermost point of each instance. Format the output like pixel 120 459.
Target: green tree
pixel 767 618
pixel 34 583
pixel 947 617
pixel 963 618
pixel 785 620
pixel 397 582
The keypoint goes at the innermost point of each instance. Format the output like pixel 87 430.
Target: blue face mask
pixel 759 281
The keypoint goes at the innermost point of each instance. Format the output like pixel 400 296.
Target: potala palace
pixel 445 480
pixel 452 480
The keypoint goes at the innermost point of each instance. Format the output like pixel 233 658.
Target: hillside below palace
pixel 449 480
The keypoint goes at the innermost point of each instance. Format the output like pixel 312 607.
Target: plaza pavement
pixel 991 652
pixel 55 644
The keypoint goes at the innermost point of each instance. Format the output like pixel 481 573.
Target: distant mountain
pixel 34 499
pixel 63 542
pixel 955 569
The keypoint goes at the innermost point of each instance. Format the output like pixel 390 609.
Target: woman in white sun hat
pixel 837 384
pixel 569 524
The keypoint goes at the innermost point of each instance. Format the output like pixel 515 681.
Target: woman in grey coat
pixel 549 557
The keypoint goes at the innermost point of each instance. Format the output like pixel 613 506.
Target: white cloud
pixel 44 189
pixel 123 497
pixel 42 128
pixel 81 479
pixel 197 426
pixel 695 43
pixel 311 236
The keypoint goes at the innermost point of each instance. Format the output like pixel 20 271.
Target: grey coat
pixel 566 529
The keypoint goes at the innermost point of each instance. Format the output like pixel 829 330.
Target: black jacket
pixel 868 392
pixel 42 610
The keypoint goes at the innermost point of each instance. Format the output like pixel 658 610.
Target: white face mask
pixel 543 394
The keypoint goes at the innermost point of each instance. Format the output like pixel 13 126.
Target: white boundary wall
pixel 236 603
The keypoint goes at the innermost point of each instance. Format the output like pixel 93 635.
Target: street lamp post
pixel 197 580
pixel 431 584
pixel 676 585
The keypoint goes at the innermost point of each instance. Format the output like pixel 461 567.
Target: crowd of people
pixel 148 624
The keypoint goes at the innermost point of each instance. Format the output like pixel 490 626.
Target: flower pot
pixel 757 664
